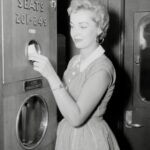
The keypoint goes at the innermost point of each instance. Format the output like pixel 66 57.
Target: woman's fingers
pixel 42 65
pixel 38 58
pixel 35 64
pixel 37 69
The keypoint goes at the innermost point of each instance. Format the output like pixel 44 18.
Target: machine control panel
pixel 33 84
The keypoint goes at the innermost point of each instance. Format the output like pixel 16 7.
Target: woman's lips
pixel 78 40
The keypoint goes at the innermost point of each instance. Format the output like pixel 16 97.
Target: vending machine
pixel 27 107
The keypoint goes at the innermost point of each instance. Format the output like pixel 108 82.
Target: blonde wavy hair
pixel 100 17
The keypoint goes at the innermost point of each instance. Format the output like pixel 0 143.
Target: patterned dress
pixel 95 134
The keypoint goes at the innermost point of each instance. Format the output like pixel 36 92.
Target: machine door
pixel 27 106
pixel 137 63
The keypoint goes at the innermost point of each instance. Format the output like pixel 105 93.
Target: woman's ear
pixel 99 31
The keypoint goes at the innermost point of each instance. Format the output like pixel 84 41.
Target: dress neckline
pixel 99 51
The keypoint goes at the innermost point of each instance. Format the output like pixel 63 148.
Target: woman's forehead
pixel 81 16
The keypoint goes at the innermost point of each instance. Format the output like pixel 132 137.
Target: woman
pixel 88 82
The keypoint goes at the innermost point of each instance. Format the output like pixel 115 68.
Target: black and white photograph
pixel 74 74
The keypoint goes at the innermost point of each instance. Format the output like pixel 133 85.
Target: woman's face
pixel 84 30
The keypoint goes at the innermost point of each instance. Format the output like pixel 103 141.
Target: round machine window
pixel 144 56
pixel 32 122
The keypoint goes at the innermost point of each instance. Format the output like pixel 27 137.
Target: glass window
pixel 32 122
pixel 145 58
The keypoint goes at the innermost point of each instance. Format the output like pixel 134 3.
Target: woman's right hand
pixel 42 64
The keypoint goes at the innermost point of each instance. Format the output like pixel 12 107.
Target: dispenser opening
pixel 33 48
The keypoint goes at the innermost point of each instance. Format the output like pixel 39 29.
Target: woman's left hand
pixel 42 64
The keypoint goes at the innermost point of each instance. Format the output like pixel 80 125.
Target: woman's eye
pixel 71 26
pixel 83 27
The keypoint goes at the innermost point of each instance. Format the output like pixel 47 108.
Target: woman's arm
pixel 76 112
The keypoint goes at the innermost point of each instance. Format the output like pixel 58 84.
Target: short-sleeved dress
pixel 95 134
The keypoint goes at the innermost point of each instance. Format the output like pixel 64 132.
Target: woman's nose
pixel 75 32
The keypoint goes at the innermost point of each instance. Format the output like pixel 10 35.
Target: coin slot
pixel 32 49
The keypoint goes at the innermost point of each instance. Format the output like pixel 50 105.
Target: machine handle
pixel 133 125
pixel 128 120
